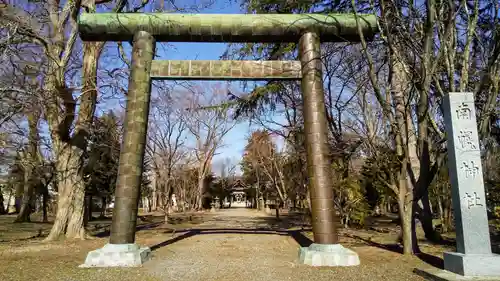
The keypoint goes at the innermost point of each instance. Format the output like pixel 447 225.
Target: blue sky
pixel 235 140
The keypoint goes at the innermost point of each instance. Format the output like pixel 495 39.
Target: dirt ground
pixel 226 245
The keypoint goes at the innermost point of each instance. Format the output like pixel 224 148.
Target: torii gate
pixel 147 28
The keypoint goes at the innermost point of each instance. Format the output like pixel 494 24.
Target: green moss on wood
pixel 223 28
pixel 225 70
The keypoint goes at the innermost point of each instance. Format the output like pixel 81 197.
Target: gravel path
pixel 227 247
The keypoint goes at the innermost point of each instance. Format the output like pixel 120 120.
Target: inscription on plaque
pixel 237 69
pixel 246 69
pixel 465 139
pixel 256 69
pixel 268 68
pixel 471 170
pixel 175 68
pixel 196 69
pixel 287 69
pixel 472 200
pixel 221 68
pixel 463 111
pixel 185 68
pixel 215 68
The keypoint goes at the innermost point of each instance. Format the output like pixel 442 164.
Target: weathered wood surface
pixel 224 27
pixel 225 70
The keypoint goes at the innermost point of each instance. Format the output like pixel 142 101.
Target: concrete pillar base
pixel 328 255
pixel 117 255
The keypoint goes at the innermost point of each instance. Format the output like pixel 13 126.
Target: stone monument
pixel 473 256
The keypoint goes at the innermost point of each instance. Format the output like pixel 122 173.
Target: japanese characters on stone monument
pixel 473 256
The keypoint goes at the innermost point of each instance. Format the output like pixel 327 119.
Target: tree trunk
pixel 183 199
pixel 161 196
pixel 152 197
pixel 441 213
pixel 383 209
pixel 446 221
pixel 69 219
pixel 449 216
pixel 406 204
pixel 45 198
pixel 91 206
pixel 414 238
pixel 165 219
pixel 257 193
pixel 201 189
pixel 36 203
pixel 68 150
pixel 166 210
pixel 29 162
pixel 424 214
pixel 103 207
pixel 75 225
pixel 62 213
pixel 11 193
pixel 19 186
pixel 26 203
pixel 153 200
pixel 308 198
pixel 88 209
pixel 2 206
pixel 405 215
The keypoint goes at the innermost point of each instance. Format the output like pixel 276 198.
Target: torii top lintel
pixel 265 28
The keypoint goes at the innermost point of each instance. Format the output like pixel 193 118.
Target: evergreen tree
pixel 101 169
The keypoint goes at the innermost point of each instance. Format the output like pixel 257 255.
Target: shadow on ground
pixel 397 248
pixel 150 222
pixel 282 227
pixel 107 231
pixel 292 221
pixel 297 235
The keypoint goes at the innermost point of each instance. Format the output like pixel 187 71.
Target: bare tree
pixel 225 177
pixel 185 181
pixel 30 161
pixel 421 68
pixel 166 139
pixel 47 28
pixel 271 163
pixel 207 123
